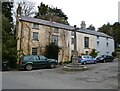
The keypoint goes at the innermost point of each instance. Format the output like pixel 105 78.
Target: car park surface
pixel 98 76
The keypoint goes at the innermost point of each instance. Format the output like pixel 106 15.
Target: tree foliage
pixel 51 14
pixel 91 27
pixel 93 53
pixel 8 39
pixel 112 30
pixel 52 51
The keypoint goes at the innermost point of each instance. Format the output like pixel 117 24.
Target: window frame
pixel 35 26
pixel 98 43
pixel 86 39
pixel 33 36
pixel 72 41
pixel 33 53
pixel 55 39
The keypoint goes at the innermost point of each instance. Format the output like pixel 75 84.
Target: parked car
pixel 85 59
pixel 5 65
pixel 105 58
pixel 29 62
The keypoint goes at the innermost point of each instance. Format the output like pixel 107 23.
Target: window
pixel 55 30
pixel 35 26
pixel 106 38
pixel 72 33
pixel 36 58
pixel 26 58
pixel 72 52
pixel 107 44
pixel 72 40
pixel 86 42
pixel 35 35
pixel 34 51
pixel 107 52
pixel 42 58
pixel 97 37
pixel 55 39
pixel 98 43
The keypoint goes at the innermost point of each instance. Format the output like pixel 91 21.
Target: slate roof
pixel 63 26
pixel 91 32
pixel 45 22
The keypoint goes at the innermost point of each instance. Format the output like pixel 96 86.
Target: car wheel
pixel 84 63
pixel 95 62
pixel 29 67
pixel 52 65
pixel 103 61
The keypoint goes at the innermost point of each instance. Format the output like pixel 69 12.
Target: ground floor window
pixel 34 51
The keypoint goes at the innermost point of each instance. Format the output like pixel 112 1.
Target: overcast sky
pixel 96 12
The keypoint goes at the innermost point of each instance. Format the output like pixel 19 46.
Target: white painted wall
pixel 102 47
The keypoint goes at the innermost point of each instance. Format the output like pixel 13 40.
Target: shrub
pixel 52 51
pixel 93 53
pixel 114 54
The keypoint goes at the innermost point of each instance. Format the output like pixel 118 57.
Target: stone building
pixel 34 34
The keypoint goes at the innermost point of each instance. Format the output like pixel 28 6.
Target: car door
pixel 92 59
pixel 36 61
pixel 44 61
pixel 87 59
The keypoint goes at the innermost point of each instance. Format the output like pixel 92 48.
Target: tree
pixel 6 10
pixel 91 27
pixel 28 8
pixel 93 53
pixel 52 51
pixel 51 14
pixel 112 30
pixel 8 39
pixel 106 28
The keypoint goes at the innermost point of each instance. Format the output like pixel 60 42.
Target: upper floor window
pixel 55 39
pixel 35 26
pixel 98 43
pixel 35 35
pixel 106 38
pixel 107 44
pixel 97 37
pixel 34 51
pixel 72 40
pixel 55 30
pixel 86 42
